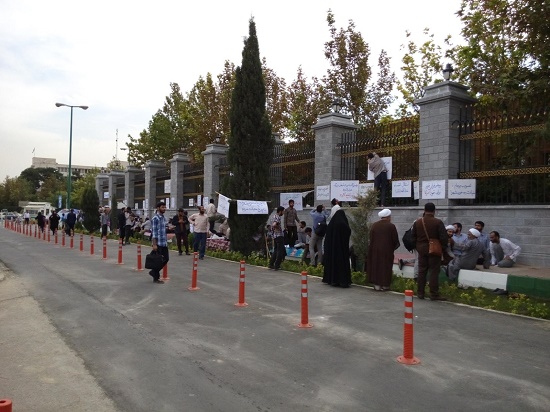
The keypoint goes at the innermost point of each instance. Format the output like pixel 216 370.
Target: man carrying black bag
pixel 159 239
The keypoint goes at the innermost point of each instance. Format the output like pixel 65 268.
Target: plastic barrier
pixel 408 356
pixel 305 312
pixel 194 274
pixel 241 301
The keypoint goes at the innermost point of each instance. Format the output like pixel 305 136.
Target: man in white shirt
pixel 503 252
pixel 200 228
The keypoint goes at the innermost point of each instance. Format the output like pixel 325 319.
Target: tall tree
pixel 276 99
pixel 38 175
pixel 14 189
pixel 226 83
pixel 350 76
pixel 204 115
pixel 421 66
pixel 505 57
pixel 168 132
pixel 305 103
pixel 250 144
pixel 89 203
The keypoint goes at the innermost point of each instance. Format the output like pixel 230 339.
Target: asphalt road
pixel 132 345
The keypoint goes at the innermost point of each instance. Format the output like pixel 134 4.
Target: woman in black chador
pixel 336 251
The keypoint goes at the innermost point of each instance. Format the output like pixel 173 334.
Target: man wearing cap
pixel 471 249
pixel 383 240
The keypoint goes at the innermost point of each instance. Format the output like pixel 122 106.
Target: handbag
pixel 154 261
pixel 434 244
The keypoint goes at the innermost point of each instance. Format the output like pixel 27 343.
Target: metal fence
pixel 507 153
pixel 193 181
pixel 293 170
pixel 398 140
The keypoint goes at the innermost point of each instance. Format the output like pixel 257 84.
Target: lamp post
pixel 447 72
pixel 336 105
pixel 69 185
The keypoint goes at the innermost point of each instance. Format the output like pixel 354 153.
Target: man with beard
pixel 200 228
pixel 383 240
pixel 159 239
pixel 471 250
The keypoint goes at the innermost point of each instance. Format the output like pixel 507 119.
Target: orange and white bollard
pixel 139 267
pixel 5 405
pixel 35 231
pixel 56 237
pixel 92 251
pixel 119 262
pixel 104 248
pixel 195 272
pixel 81 242
pixel 165 272
pixel 63 238
pixel 408 351
pixel 241 301
pixel 39 235
pixel 305 313
pixel 72 242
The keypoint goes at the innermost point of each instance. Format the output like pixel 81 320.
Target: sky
pixel 119 57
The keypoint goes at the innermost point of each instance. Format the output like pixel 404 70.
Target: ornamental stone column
pixel 129 184
pixel 439 141
pixel 328 134
pixel 152 167
pixel 212 155
pixel 177 164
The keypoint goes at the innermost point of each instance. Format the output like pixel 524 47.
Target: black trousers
pixel 292 232
pixel 428 265
pixel 182 238
pixel 278 252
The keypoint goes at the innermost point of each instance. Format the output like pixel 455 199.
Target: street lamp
pixel 336 105
pixel 69 186
pixel 447 72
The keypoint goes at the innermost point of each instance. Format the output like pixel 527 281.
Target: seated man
pixel 224 229
pixel 302 232
pixel 503 252
pixel 471 250
pixel 458 238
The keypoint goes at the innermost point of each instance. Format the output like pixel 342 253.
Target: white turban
pixel 474 232
pixel 384 213
pixel 450 227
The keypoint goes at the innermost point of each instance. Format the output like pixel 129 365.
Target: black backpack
pixel 408 241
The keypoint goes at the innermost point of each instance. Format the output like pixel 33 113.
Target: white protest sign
pixel 323 192
pixel 401 188
pixel 223 205
pixel 191 202
pixel 388 161
pixel 462 189
pixel 167 201
pixel 433 189
pixel 364 188
pixel 252 207
pixel 105 195
pixel 173 202
pixel 344 190
pixel 199 200
pixel 167 184
pixel 416 188
pixel 297 197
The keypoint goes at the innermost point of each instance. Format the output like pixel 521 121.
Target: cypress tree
pixel 250 145
pixel 90 208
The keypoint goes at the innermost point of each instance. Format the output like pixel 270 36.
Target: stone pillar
pixel 152 167
pixel 212 155
pixel 177 164
pixel 100 182
pixel 328 133
pixel 439 142
pixel 115 177
pixel 129 184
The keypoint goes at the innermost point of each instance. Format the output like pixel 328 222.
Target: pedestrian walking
pixel 159 239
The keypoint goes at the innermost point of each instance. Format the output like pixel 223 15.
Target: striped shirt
pixel 158 229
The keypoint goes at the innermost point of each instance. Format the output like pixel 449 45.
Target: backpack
pixel 321 228
pixel 408 241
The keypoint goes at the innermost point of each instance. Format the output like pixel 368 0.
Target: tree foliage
pixel 250 144
pixel 38 175
pixel 421 67
pixel 351 78
pixel 506 55
pixel 80 186
pixel 89 204
pixel 14 189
